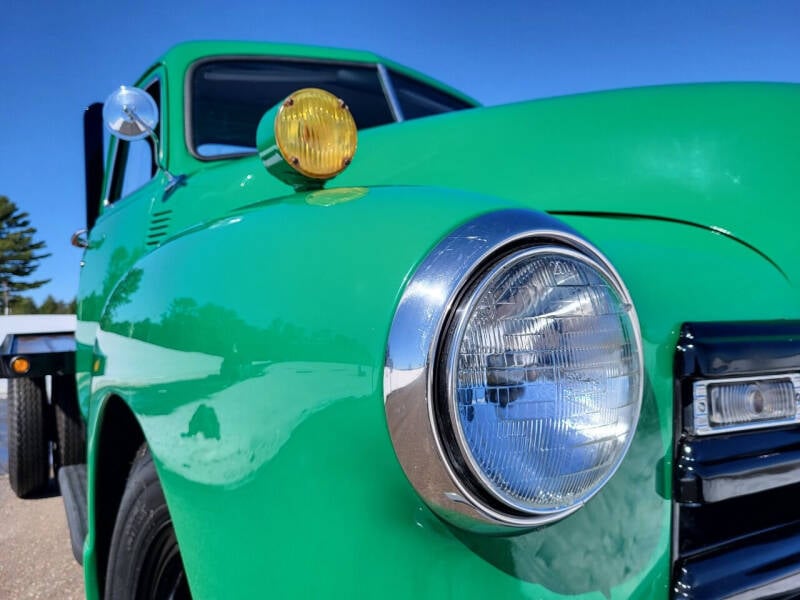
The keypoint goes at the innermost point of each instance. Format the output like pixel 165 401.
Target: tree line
pixel 25 305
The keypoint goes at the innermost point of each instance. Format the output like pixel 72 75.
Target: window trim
pixel 112 163
pixel 393 75
pixel 389 91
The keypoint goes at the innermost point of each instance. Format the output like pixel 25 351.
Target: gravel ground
pixel 35 555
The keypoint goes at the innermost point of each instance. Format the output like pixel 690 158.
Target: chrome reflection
pixel 410 390
pixel 544 350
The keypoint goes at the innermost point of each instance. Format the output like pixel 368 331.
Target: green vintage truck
pixel 343 332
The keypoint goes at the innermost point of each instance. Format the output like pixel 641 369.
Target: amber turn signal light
pixel 316 133
pixel 312 137
pixel 20 365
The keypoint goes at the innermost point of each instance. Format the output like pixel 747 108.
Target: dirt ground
pixel 35 554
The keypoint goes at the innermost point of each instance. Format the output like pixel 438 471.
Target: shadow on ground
pixel 3 434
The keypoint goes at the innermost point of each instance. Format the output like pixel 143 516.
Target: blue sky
pixel 57 57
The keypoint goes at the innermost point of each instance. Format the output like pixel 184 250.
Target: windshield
pixel 228 98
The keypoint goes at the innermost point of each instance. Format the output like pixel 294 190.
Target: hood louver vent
pixel 159 226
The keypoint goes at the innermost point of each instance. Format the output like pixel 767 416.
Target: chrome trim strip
pixel 389 91
pixel 412 351
pixel 700 408
pixel 109 173
pixel 717 488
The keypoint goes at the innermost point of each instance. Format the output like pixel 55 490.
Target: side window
pixel 134 162
pixel 420 100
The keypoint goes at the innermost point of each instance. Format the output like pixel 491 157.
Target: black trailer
pixel 38 426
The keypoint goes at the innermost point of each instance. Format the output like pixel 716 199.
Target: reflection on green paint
pixel 335 196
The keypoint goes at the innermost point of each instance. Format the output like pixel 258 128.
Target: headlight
pixel 531 377
pixel 543 379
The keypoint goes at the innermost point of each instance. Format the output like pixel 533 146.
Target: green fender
pixel 251 351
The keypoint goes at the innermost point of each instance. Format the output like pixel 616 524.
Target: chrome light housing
pixel 513 379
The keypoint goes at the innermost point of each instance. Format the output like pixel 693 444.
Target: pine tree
pixel 19 252
pixel 50 306
pixel 22 305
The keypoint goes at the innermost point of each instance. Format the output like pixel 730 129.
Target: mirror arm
pixel 173 181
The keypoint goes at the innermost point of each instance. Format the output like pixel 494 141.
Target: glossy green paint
pixel 116 241
pixel 723 156
pixel 249 342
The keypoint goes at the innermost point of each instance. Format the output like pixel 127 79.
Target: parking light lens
pixel 751 401
pixel 742 403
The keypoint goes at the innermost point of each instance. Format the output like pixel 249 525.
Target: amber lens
pixel 316 133
pixel 20 365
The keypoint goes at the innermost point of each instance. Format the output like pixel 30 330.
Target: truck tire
pixel 144 560
pixel 69 432
pixel 28 443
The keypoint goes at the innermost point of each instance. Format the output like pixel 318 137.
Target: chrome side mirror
pixel 130 113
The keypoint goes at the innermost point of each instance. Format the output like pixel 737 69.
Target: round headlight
pixel 514 373
pixel 543 379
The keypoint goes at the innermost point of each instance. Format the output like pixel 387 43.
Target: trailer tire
pixel 28 440
pixel 69 432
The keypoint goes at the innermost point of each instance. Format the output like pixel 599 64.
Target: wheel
pixel 70 433
pixel 28 443
pixel 144 561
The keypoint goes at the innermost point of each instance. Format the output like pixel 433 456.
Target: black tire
pixel 144 561
pixel 28 440
pixel 69 431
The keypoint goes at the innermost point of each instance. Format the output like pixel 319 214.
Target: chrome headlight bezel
pixel 417 400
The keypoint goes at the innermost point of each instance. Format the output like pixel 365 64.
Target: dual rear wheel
pixel 34 425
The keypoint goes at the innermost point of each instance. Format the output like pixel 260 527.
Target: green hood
pixel 722 156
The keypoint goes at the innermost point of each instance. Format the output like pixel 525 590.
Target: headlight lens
pixel 543 378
